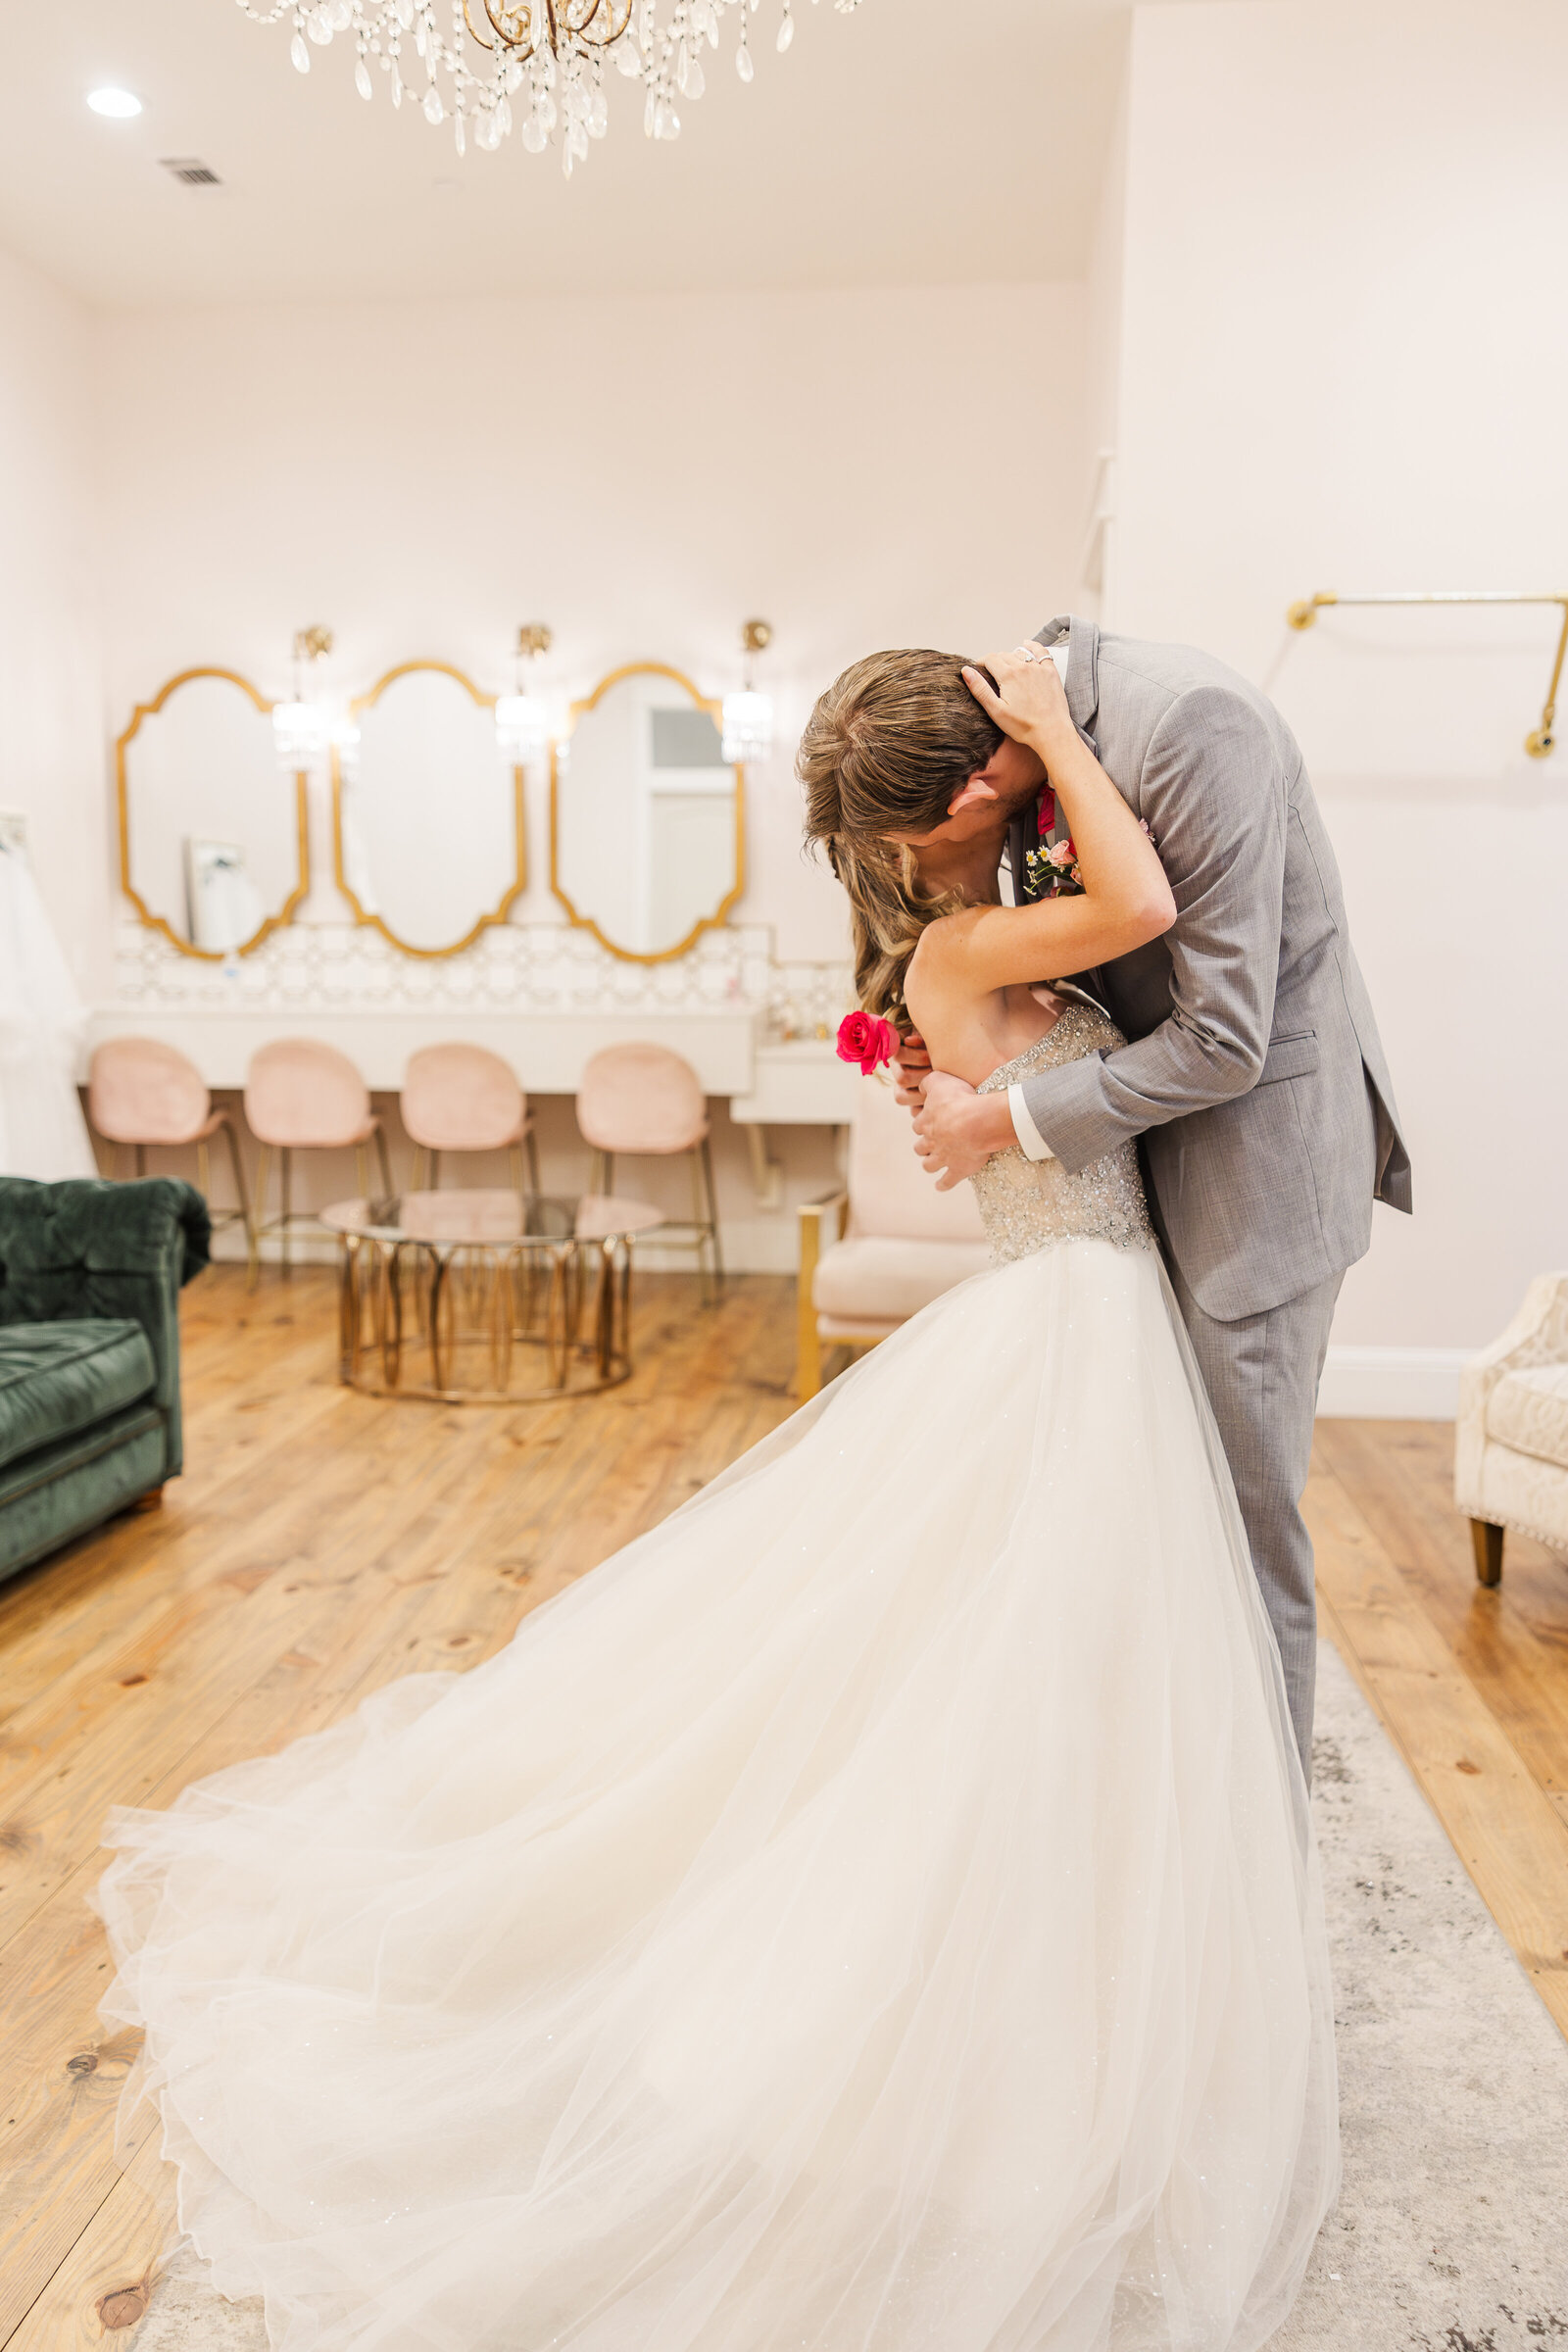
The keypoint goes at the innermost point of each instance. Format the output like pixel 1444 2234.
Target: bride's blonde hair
pixel 888 908
pixel 885 750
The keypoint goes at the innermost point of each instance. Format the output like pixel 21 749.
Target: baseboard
pixel 1392 1384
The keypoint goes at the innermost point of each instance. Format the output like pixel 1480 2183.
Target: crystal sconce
pixel 299 725
pixel 521 724
pixel 749 716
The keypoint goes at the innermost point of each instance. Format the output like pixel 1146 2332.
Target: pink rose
pixel 1063 855
pixel 862 1038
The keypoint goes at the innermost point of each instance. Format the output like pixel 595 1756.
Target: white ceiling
pixel 912 142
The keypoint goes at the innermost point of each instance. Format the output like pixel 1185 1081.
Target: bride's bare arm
pixel 1126 900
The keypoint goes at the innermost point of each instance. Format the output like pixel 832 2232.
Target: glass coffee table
pixel 486 1298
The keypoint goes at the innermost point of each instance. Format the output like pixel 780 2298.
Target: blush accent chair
pixel 463 1098
pixel 1510 1459
pixel 90 1275
pixel 301 1095
pixel 642 1101
pixel 902 1245
pixel 141 1091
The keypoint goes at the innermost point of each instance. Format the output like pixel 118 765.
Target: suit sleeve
pixel 1215 796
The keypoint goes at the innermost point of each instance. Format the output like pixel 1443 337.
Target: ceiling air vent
pixel 195 174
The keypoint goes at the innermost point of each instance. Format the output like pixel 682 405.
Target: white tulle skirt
pixel 875 1912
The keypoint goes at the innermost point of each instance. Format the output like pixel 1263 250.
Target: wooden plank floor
pixel 319 1544
pixel 1471 1684
pixel 322 1542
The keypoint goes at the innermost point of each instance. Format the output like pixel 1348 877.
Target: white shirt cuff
pixel 1032 1142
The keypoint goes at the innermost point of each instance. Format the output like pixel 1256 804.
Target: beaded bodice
pixel 1025 1204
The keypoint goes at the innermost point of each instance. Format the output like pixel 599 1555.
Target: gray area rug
pixel 1452 2231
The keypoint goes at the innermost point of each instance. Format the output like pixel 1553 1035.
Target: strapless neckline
pixel 1085 1026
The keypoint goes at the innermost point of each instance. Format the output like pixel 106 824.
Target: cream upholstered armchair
pixel 1510 1464
pixel 903 1243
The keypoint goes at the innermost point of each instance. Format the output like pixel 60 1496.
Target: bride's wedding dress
pixel 875 1912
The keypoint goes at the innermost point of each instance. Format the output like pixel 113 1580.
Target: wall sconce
pixel 749 716
pixel 300 726
pixel 521 726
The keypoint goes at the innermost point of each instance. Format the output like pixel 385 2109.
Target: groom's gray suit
pixel 1255 1079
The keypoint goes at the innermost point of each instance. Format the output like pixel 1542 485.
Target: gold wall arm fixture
pixel 1543 739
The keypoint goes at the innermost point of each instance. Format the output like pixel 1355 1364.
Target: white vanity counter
pixel 547 1051
pixel 798 1082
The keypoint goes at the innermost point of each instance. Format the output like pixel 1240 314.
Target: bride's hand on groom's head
pixel 1027 700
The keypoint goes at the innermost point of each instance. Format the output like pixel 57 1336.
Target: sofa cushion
pixel 1528 1409
pixel 887 1281
pixel 59 1378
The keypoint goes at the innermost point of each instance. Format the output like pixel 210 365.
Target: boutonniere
pixel 1053 873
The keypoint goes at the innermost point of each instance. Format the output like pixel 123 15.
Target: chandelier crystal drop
pixel 548 56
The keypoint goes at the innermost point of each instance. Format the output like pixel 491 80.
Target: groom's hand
pixel 911 1064
pixel 956 1129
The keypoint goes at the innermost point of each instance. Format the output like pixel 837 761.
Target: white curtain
pixel 43 1132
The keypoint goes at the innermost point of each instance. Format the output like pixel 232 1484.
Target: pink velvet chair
pixel 463 1098
pixel 141 1091
pixel 904 1242
pixel 642 1101
pixel 301 1095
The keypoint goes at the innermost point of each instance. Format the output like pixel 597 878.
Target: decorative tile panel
pixel 537 967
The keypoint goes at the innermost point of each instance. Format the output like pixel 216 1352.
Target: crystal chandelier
pixel 549 55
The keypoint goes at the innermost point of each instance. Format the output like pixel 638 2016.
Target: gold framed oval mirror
pixel 213 843
pixel 646 817
pixel 428 838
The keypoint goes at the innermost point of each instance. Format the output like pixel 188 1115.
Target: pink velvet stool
pixel 301 1095
pixel 463 1098
pixel 642 1101
pixel 141 1091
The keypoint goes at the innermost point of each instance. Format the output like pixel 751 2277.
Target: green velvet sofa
pixel 90 1275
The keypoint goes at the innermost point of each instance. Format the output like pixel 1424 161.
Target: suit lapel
pixel 1083 700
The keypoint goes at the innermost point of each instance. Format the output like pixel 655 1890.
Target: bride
pixel 875 1912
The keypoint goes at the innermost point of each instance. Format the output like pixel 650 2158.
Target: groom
pixel 1254 1078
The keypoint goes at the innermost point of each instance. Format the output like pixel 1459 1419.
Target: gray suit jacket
pixel 1255 1075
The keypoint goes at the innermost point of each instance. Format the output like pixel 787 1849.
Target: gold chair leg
pixel 417 1182
pixel 204 1173
pixel 141 1159
pixel 435 1169
pixel 285 1187
pixel 1487 1543
pixel 531 1148
pixel 808 1340
pixel 361 1172
pixel 712 1215
pixel 387 1185
pixel 259 1217
pixel 237 1164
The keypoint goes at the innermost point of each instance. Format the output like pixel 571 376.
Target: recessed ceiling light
pixel 119 105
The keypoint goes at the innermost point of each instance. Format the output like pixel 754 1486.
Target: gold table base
pixel 467 1313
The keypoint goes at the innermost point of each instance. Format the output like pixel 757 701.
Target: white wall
pixel 860 468
pixel 50 689
pixel 1342 367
